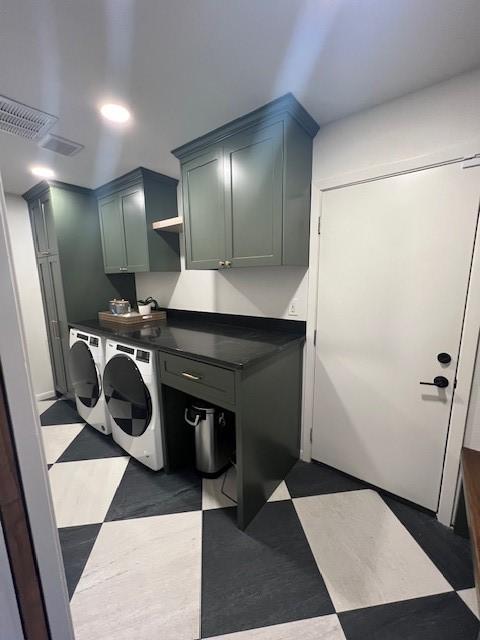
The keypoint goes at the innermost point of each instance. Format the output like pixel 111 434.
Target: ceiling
pixel 187 66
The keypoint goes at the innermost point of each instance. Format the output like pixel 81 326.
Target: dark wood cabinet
pixel 127 208
pixel 246 190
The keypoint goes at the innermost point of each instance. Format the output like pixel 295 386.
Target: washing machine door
pixel 127 397
pixel 84 375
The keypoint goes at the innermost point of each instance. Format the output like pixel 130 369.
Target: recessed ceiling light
pixel 115 112
pixel 43 172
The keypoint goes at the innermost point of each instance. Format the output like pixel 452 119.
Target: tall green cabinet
pixel 67 242
pixel 246 189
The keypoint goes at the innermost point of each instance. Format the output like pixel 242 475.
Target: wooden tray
pixel 132 318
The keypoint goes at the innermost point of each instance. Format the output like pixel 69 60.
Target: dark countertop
pixel 231 343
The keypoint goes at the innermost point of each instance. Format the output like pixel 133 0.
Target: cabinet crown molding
pixel 286 105
pixel 132 178
pixel 44 185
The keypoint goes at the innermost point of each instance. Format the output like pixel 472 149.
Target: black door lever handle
pixel 439 381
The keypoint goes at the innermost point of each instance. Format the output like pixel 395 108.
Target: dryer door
pixel 128 399
pixel 84 375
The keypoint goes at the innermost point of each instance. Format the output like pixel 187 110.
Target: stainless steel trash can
pixel 214 438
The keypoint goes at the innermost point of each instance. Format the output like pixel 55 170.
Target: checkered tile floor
pixel 149 555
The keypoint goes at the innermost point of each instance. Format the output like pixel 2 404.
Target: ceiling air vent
pixel 20 120
pixel 60 145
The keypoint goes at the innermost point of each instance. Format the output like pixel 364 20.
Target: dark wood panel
pixel 17 533
pixel 471 488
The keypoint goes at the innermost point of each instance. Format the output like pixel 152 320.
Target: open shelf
pixel 174 225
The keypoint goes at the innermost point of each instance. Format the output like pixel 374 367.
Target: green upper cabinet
pixel 203 193
pixel 113 234
pixel 254 202
pixel 127 208
pixel 246 190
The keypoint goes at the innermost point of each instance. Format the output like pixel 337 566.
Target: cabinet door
pixel 52 292
pixel 47 212
pixel 113 234
pixel 204 210
pixel 254 196
pixel 136 246
pixel 43 226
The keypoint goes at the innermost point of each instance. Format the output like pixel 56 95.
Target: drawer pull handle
pixel 190 376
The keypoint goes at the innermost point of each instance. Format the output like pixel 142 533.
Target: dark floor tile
pixel 76 543
pixel 314 478
pixel 89 445
pixel 62 412
pixel 447 550
pixel 441 617
pixel 143 492
pixel 262 576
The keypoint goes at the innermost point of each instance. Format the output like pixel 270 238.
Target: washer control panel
pixel 143 356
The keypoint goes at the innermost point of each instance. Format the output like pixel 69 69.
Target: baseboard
pixel 47 395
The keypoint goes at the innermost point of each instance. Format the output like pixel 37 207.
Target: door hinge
pixel 471 161
pixel 318 224
pixel 315 338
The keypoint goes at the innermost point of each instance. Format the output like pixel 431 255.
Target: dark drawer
pixel 205 381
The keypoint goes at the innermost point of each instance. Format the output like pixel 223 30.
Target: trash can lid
pixel 201 407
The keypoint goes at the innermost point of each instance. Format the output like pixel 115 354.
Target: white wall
pixel 249 291
pixel 434 120
pixel 28 286
pixel 263 292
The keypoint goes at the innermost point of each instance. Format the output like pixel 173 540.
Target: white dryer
pixel 86 364
pixel 131 395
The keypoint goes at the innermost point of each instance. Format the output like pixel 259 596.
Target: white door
pixel 394 266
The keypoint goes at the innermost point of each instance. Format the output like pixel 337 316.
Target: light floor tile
pixel 82 491
pixel 469 596
pixel 43 405
pixel 323 628
pixel 365 555
pixel 280 493
pixel 56 439
pixel 213 498
pixel 142 581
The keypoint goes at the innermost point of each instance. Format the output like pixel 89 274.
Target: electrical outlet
pixel 293 307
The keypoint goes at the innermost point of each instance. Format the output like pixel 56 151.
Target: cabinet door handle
pixel 228 264
pixel 55 329
pixel 190 376
pixel 44 253
pixel 221 264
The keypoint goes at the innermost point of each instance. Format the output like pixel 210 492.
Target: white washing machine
pixel 131 396
pixel 86 364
